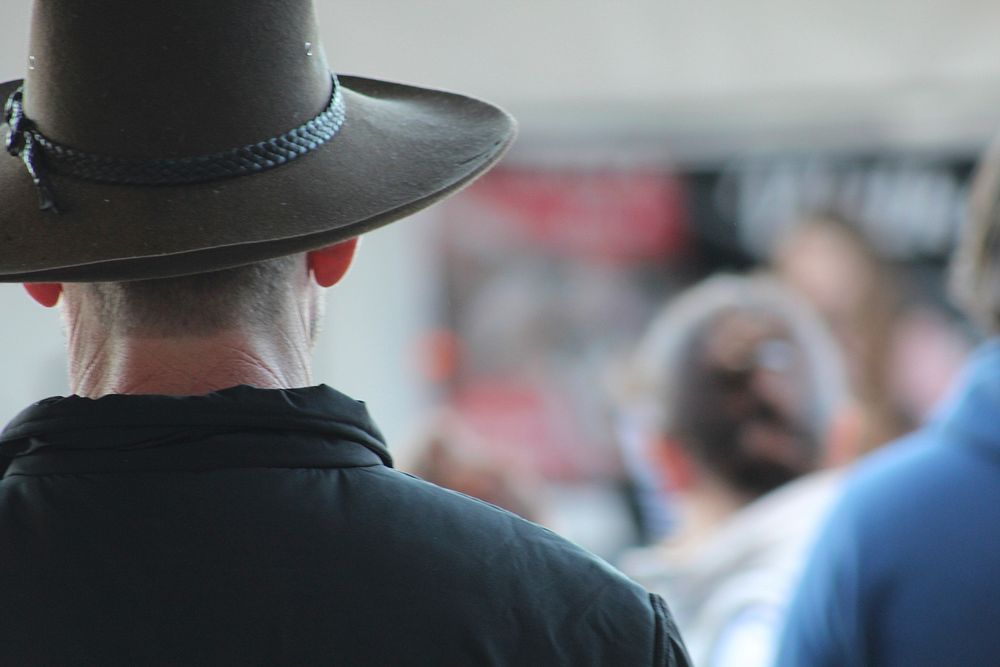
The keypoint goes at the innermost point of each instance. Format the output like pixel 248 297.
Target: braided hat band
pixel 40 153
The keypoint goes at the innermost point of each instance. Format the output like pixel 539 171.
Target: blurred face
pixel 828 269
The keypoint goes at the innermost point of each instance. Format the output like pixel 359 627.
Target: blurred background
pixel 660 142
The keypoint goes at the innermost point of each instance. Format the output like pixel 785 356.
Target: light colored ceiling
pixel 701 77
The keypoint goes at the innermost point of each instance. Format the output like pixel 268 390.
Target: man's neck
pixel 187 366
pixel 700 514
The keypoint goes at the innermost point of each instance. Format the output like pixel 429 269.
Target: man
pixel 197 502
pixel 905 570
pixel 747 391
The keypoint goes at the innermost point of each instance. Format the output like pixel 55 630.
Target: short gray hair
pixel 196 305
pixel 715 407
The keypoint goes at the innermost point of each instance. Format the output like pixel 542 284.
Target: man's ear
pixel 328 265
pixel 47 294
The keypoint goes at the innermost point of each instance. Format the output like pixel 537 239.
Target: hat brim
pixel 400 149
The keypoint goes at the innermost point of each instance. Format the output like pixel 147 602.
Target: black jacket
pixel 266 527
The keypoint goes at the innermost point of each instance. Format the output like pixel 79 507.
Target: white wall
pixel 610 53
pixel 529 54
pixel 593 66
pixel 367 348
pixel 32 361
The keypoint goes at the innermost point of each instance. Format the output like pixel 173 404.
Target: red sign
pixel 619 216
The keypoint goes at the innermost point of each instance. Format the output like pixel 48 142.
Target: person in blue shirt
pixel 904 572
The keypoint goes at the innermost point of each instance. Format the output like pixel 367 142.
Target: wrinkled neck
pixel 187 366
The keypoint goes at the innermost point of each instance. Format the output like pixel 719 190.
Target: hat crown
pixel 231 101
pixel 160 79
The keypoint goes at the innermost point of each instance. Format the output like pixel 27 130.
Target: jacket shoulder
pixel 560 595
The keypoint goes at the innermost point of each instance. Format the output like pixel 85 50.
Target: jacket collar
pixel 971 411
pixel 237 427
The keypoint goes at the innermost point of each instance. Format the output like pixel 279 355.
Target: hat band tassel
pixel 20 142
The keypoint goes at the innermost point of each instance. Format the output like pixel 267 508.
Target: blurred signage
pixel 613 215
pixel 532 426
pixel 908 208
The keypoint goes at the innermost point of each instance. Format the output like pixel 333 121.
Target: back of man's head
pixel 746 380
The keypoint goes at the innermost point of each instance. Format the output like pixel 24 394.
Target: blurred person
pixel 452 456
pixel 832 263
pixel 904 572
pixel 931 345
pixel 747 390
pixel 196 501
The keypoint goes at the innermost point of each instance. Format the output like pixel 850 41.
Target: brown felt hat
pixel 118 89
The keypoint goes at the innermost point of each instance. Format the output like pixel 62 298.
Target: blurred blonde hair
pixel 975 266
